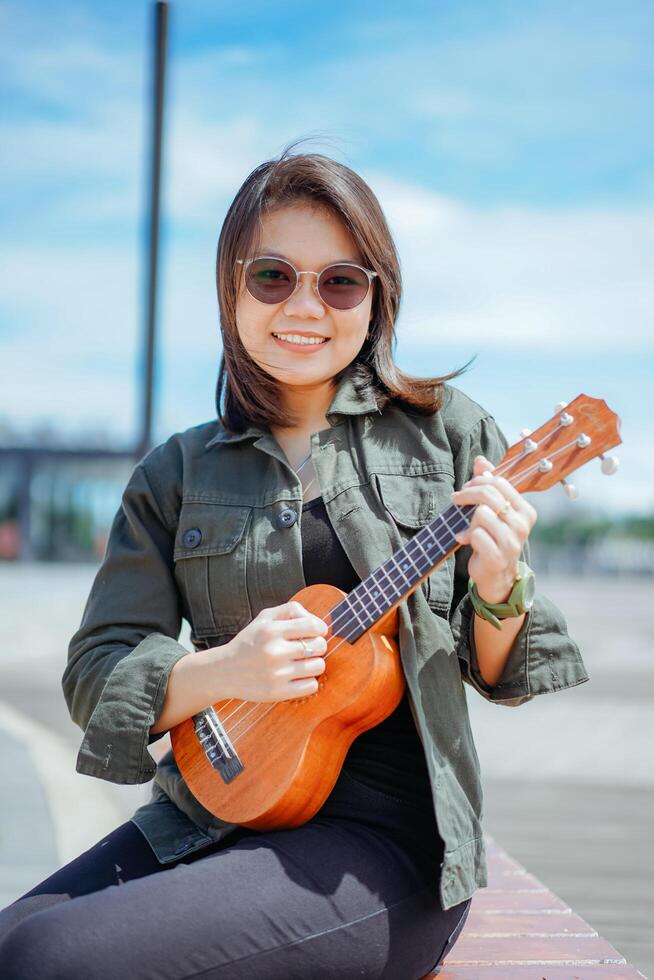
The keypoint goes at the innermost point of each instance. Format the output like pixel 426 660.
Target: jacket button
pixel 192 537
pixel 287 517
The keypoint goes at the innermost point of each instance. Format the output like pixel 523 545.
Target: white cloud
pixel 208 161
pixel 579 278
pixel 71 338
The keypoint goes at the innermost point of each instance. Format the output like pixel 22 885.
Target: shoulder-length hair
pixel 245 393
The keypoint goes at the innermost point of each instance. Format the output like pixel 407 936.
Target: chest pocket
pixel 210 566
pixel 413 502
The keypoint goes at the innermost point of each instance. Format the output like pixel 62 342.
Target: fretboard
pixel 391 582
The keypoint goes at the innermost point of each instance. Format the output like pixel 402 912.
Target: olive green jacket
pixel 200 535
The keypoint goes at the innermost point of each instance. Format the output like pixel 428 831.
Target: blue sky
pixel 510 145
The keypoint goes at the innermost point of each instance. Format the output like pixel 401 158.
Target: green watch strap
pixel 519 601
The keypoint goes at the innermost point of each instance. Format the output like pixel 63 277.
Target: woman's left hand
pixel 498 529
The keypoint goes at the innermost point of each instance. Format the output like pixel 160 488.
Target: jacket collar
pixel 347 400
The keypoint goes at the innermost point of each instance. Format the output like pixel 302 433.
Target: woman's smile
pixel 301 342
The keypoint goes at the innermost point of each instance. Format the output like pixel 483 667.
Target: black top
pixel 390 756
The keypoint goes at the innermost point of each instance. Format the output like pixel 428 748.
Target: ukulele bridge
pixel 216 744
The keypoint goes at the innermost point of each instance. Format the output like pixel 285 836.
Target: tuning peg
pixel 559 407
pixel 525 432
pixel 569 490
pixel 610 464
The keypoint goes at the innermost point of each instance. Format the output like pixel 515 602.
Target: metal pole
pixel 158 92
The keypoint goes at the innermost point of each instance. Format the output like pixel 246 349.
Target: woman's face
pixel 310 238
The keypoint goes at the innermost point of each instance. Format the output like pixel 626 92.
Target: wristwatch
pixel 519 602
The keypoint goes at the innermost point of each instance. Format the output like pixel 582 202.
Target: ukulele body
pixel 292 751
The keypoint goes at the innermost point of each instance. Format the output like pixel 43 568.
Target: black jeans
pixel 351 893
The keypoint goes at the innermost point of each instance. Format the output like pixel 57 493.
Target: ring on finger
pixel 504 509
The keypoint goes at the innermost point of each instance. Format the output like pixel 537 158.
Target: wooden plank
pixel 596 972
pixel 530 899
pixel 518 923
pixel 549 949
pixel 514 881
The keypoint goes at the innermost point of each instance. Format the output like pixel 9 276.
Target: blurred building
pixel 58 504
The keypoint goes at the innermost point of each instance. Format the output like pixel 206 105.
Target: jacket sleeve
pixel 120 658
pixel 543 657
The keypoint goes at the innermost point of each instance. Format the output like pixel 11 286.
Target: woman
pixel 325 459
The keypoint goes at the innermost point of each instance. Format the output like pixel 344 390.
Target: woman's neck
pixel 309 404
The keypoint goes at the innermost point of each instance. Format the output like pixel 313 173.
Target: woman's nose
pixel 305 300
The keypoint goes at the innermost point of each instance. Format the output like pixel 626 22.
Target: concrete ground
pixel 569 782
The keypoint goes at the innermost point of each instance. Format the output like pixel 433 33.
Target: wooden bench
pixel 518 929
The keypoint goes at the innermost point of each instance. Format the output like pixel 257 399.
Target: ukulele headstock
pixel 578 432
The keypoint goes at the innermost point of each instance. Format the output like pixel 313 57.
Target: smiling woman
pixel 324 702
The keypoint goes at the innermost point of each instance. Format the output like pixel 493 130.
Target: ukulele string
pixel 500 471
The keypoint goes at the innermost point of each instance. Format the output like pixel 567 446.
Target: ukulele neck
pixel 396 578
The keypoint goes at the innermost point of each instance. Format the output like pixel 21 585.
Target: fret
pixel 416 568
pixel 379 590
pixel 379 609
pixel 361 622
pixel 461 513
pixel 400 569
pixel 347 627
pixel 419 543
pixel 396 577
pixel 437 540
pixel 429 562
pixel 382 568
pixel 355 622
pixel 388 572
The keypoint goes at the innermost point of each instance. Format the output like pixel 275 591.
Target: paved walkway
pixel 569 784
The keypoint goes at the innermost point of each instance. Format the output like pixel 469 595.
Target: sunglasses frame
pixel 306 272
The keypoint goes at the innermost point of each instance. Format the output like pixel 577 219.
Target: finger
pixel 504 537
pixel 295 669
pixel 517 501
pixel 310 667
pixel 479 493
pixel 506 488
pixel 482 465
pixel 485 549
pixel 288 610
pixel 517 522
pixel 303 648
pixel 484 477
pixel 497 492
pixel 296 629
pixel 303 688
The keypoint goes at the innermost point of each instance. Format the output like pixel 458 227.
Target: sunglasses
pixel 341 286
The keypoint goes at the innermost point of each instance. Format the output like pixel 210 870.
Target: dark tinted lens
pixel 270 280
pixel 343 286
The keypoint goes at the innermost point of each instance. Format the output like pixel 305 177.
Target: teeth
pixel 295 338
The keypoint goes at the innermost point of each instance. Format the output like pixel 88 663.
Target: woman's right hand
pixel 266 661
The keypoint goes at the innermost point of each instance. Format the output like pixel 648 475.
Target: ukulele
pixel 270 765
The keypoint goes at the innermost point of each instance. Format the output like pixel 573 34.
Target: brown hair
pixel 250 394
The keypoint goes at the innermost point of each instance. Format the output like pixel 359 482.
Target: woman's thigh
pixel 328 899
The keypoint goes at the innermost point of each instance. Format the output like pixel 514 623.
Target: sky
pixel 509 143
